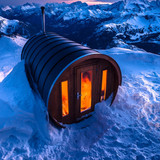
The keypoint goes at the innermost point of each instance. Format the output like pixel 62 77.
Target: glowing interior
pixel 104 85
pixel 65 103
pixel 86 90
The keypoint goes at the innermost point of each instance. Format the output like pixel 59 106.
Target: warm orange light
pixel 86 90
pixel 104 85
pixel 65 103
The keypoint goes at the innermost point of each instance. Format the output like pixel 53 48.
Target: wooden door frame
pixel 109 79
pixel 78 71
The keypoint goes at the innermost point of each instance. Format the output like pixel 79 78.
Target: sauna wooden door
pixel 85 89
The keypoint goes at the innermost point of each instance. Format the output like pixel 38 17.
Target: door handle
pixel 78 95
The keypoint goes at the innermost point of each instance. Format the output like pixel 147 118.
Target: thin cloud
pixel 109 1
pixel 20 2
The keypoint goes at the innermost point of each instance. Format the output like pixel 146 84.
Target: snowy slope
pixel 6 8
pixel 136 20
pixel 134 28
pixel 28 6
pixel 8 26
pixel 129 129
pixel 13 27
pixel 10 51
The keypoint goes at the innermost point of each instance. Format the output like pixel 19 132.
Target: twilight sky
pixel 19 2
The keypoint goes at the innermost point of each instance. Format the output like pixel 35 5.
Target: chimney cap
pixel 43 18
pixel 42 7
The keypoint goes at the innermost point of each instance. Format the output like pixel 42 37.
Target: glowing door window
pixel 104 85
pixel 86 90
pixel 65 101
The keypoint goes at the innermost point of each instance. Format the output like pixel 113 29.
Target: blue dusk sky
pixel 20 2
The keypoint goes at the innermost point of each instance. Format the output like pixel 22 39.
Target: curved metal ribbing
pixel 46 72
pixel 42 48
pixel 41 42
pixel 55 59
pixel 56 70
pixel 47 55
pixel 43 57
pixel 35 44
pixel 28 45
pixel 52 58
pixel 32 40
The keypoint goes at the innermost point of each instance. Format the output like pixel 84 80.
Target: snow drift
pixel 128 129
pixel 10 53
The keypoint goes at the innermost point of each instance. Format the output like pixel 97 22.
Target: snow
pixel 129 129
pixel 18 98
pixel 8 26
pixel 9 54
pixel 6 8
pixel 27 7
pixel 83 13
pixel 136 26
pixel 136 20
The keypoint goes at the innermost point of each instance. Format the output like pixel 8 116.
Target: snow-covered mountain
pixel 6 8
pixel 11 27
pixel 98 26
pixel 138 21
pixel 8 26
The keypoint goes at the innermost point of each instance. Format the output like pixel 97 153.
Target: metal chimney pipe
pixel 43 19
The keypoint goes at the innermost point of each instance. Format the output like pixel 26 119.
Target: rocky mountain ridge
pixel 98 26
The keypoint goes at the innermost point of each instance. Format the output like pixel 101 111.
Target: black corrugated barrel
pixel 47 55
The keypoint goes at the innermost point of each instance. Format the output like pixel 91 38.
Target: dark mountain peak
pixel 78 3
pixel 117 6
pixel 136 1
pixel 27 4
pixel 158 2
